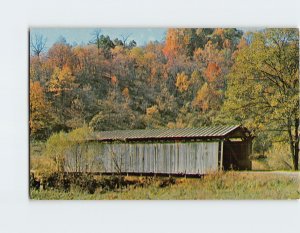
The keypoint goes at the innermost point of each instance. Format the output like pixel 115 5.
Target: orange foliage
pixel 114 80
pixel 219 32
pixel 242 44
pixel 39 107
pixel 80 58
pixel 212 71
pixel 207 98
pixel 172 44
pixel 60 55
pixel 152 110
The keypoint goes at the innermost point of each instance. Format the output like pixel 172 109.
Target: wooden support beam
pixel 221 155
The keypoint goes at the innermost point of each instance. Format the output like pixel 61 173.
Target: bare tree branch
pixel 125 38
pixel 38 44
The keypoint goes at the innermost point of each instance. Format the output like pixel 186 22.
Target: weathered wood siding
pixel 166 158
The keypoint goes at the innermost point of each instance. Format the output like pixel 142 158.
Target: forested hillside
pixel 195 77
pixel 111 85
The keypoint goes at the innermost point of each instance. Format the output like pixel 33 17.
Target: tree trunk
pixel 294 142
pixel 296 158
pixel 296 145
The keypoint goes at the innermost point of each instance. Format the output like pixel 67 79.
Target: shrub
pixel 42 165
pixel 58 181
pixel 113 182
pixel 34 183
pixel 279 157
pixel 56 147
pixel 89 183
pixel 166 182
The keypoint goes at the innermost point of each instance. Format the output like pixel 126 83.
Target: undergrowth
pixel 223 185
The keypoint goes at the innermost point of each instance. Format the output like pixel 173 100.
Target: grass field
pixel 226 185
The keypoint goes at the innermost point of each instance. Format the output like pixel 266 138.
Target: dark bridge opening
pixel 236 155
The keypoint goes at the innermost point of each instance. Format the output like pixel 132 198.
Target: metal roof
pixel 147 134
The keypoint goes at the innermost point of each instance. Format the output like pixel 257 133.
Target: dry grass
pixel 260 165
pixel 224 185
pixel 42 165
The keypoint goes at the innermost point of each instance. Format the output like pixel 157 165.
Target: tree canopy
pixel 196 77
pixel 263 85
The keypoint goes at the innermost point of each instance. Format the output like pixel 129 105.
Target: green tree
pixel 263 87
pixel 56 147
pixel 70 151
pixel 113 114
pixel 103 42
pixel 79 157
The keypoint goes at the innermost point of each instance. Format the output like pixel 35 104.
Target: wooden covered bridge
pixel 193 151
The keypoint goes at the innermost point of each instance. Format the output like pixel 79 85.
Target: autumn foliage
pixel 183 81
pixel 39 109
pixel 136 87
pixel 212 71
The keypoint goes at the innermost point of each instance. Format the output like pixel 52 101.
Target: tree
pixel 113 114
pixel 263 87
pixel 61 85
pixel 182 82
pixel 61 81
pixel 78 158
pixel 115 84
pixel 118 42
pixel 60 54
pixel 173 43
pixel 132 44
pixel 96 38
pixel 212 71
pixel 61 40
pixel 70 151
pixel 38 44
pixel 56 147
pixel 40 112
pixel 102 42
pixel 124 39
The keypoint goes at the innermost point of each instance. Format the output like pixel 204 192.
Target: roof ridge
pixel 160 129
pixel 166 133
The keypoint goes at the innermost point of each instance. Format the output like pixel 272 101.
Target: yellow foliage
pixel 125 92
pixel 42 165
pixel 219 31
pixel 117 50
pixel 182 82
pixel 201 99
pixel 39 108
pixel 279 157
pixel 61 80
pixel 152 110
pixel 137 54
pixel 198 52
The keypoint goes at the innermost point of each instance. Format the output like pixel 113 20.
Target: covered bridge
pixel 192 151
